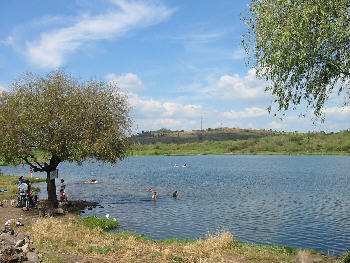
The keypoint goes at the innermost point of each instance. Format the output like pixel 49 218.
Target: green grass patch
pixel 10 183
pixel 95 221
pixel 346 257
pixel 99 250
pixel 263 143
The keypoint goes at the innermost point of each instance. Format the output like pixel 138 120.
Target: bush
pixel 95 221
pixel 346 257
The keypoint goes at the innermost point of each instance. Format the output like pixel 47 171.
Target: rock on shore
pixel 16 247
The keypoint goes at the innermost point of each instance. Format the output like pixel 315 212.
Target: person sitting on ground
pixel 23 192
pixel 175 194
pixel 20 181
pixel 154 196
pixel 33 198
pixel 63 195
pixel 23 187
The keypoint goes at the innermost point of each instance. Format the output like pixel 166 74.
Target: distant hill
pixel 219 134
pixel 239 141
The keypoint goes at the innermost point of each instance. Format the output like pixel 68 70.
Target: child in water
pixel 63 195
pixel 154 196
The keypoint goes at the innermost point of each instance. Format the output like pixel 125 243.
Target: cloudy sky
pixel 178 60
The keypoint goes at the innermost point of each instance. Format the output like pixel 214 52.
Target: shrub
pixel 346 257
pixel 95 221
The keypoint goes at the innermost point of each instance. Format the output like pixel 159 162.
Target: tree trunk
pixel 51 192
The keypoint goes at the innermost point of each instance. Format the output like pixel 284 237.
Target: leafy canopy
pixel 302 48
pixel 68 119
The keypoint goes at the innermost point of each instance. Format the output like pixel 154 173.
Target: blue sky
pixel 178 60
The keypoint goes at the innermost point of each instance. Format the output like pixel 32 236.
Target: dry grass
pixel 68 240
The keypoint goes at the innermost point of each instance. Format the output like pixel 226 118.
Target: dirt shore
pixel 27 217
pixel 8 212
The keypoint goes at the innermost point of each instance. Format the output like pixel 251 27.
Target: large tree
pixel 65 118
pixel 302 48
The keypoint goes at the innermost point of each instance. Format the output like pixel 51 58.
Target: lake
pixel 297 201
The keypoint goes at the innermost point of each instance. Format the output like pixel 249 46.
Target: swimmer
pixel 185 165
pixel 176 165
pixel 93 181
pixel 154 196
pixel 150 190
pixel 176 194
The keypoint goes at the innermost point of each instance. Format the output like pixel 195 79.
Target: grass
pixel 10 183
pixel 346 257
pixel 95 221
pixel 39 156
pixel 280 144
pixel 54 236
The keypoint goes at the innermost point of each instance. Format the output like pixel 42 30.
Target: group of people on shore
pixel 154 195
pixel 24 188
pixel 24 185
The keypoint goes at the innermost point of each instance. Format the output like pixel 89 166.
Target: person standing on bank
pixel 63 185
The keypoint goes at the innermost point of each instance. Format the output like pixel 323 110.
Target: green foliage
pixel 302 48
pixel 177 137
pixel 279 143
pixel 346 257
pixel 64 118
pixel 95 221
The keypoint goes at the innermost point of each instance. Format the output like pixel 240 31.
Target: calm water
pixel 298 201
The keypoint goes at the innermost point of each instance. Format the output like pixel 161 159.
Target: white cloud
pixel 252 112
pixel 129 82
pixel 337 112
pixel 6 42
pixel 125 16
pixel 152 108
pixel 168 123
pixel 238 53
pixel 237 88
pixel 276 125
pixel 2 88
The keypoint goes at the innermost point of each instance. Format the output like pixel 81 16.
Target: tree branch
pixel 36 168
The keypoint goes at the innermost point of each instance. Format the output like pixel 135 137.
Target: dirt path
pixel 8 212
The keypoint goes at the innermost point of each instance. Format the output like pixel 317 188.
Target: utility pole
pixel 201 122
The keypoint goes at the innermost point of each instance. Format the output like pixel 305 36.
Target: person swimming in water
pixel 92 181
pixel 176 194
pixel 154 196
